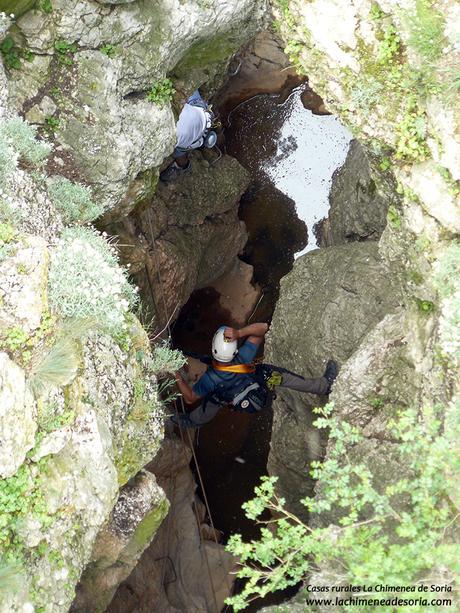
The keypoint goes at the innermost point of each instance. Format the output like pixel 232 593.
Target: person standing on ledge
pixel 232 378
pixel 194 124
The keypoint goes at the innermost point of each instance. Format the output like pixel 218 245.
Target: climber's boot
pixel 183 421
pixel 331 372
pixel 174 171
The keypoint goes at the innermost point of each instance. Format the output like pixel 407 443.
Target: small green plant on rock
pixel 12 54
pixel 51 417
pixel 426 26
pixel 376 13
pixel 23 139
pixel 65 51
pixel 14 338
pixel 389 45
pixel 51 124
pixel 7 233
pixel 411 133
pixel 56 368
pixel 21 498
pixel 376 403
pixel 161 92
pixel 108 50
pixel 166 360
pixel 73 200
pixel 394 218
pixel 425 306
pixel 46 6
pixel 385 163
pixel 453 186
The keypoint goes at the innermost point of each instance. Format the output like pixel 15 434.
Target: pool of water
pixel 292 153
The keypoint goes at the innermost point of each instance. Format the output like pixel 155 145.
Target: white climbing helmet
pixel 223 350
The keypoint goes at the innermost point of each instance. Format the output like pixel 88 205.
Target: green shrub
pixel 426 27
pixel 73 200
pixel 387 533
pixel 166 360
pixel 161 92
pixel 86 281
pixel 23 139
pixel 8 161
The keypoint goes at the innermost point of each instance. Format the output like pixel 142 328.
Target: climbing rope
pixel 190 441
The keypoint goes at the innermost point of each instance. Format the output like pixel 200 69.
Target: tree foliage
pixel 391 533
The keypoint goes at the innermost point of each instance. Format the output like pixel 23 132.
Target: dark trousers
pixel 319 386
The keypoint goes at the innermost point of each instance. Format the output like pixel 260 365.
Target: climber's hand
pixel 231 334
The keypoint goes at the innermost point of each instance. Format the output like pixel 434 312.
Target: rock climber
pixel 233 379
pixel 193 131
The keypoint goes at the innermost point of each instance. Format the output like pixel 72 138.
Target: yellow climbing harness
pixel 241 369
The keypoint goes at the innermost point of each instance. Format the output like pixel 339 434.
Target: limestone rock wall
pixel 346 290
pixel 72 495
pixel 65 449
pixel 370 66
pixel 80 411
pixel 360 197
pixel 91 65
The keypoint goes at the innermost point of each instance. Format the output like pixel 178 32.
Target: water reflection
pixel 292 152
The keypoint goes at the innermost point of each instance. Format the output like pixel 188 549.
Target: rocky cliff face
pixel 81 412
pixel 392 344
pixel 91 66
pixel 186 236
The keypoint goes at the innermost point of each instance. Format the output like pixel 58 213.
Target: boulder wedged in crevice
pixel 328 303
pixel 187 236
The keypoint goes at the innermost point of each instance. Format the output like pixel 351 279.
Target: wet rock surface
pixel 260 67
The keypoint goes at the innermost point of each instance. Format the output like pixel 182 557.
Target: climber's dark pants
pixel 320 386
